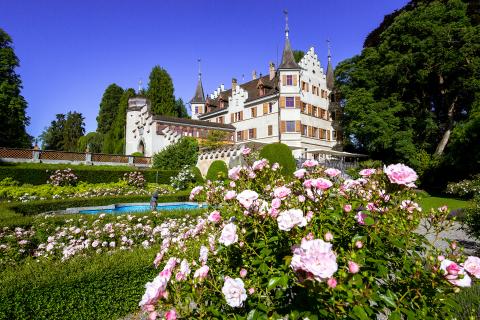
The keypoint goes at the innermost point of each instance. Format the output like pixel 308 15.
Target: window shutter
pixel 307 87
pixel 265 108
pixel 294 80
pixel 241 115
pixel 309 109
pixel 297 102
pixel 328 135
pixel 231 118
pixel 255 112
pixel 284 80
pixel 282 102
pixel 282 126
pixel 254 133
pixel 297 126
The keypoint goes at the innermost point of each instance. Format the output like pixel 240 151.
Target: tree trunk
pixel 446 135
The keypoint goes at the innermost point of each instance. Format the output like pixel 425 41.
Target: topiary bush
pixel 198 175
pixel 280 153
pixel 217 171
pixel 176 156
pixel 310 245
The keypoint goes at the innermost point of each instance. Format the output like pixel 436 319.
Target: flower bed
pixel 309 246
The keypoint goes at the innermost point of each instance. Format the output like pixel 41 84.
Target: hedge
pixel 38 174
pixel 106 286
pixel 217 171
pixel 281 153
pixel 36 207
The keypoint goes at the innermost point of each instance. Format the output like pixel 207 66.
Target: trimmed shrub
pixel 137 154
pixel 37 207
pixel 198 175
pixel 217 171
pixel 176 156
pixel 106 286
pixel 280 153
pixel 39 174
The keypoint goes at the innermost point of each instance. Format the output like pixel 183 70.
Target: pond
pixel 135 207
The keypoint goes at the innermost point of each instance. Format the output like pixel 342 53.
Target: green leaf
pixel 369 221
pixel 395 316
pixel 272 283
pixel 389 301
pixel 263 268
pixel 252 315
pixel 360 313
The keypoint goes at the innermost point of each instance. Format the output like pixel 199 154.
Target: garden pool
pixel 135 207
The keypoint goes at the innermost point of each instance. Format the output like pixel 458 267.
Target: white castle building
pixel 292 104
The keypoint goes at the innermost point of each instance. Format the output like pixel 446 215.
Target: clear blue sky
pixel 70 51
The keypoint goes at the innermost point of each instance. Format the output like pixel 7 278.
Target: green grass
pixel 429 202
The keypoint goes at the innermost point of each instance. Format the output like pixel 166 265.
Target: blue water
pixel 143 208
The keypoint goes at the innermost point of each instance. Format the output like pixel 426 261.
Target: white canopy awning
pixel 336 153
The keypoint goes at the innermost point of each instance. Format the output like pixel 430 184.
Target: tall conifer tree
pixel 160 92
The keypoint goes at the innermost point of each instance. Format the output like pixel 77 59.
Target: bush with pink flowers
pixel 310 245
pixel 63 177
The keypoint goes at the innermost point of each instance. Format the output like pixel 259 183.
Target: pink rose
pixel 332 172
pixel 195 191
pixel 309 216
pixel 214 216
pixel 259 164
pixel 231 194
pixel 232 184
pixel 472 266
pixel 300 173
pixel 229 234
pixel 276 203
pixel 358 244
pixel 281 192
pixel 252 175
pixel 301 198
pixel 455 274
pixel 323 184
pixel 291 218
pixel 347 208
pixel 234 173
pixel 400 174
pixel 203 255
pixel 201 273
pixel 273 212
pixel 332 283
pixel 308 183
pixel 246 151
pixel 315 257
pixel 367 172
pixel 353 267
pixel 171 315
pixel 234 292
pixel 310 163
pixel 328 236
pixel 251 291
pixel 275 166
pixel 153 315
pixel 360 216
pixel 243 273
pixel 247 197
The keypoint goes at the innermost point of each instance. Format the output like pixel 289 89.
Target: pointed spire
pixel 288 60
pixel 199 96
pixel 330 77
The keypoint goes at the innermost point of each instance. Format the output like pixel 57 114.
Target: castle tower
pixel 197 103
pixel 330 78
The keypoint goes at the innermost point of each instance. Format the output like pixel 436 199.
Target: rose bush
pixel 135 179
pixel 309 246
pixel 63 177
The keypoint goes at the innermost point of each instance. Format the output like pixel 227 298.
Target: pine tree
pixel 52 137
pixel 73 130
pixel 181 109
pixel 108 108
pixel 160 92
pixel 13 118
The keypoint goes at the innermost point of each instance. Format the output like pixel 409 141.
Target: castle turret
pixel 197 103
pixel 330 78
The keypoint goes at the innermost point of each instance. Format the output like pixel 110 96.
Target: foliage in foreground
pixel 177 155
pixel 313 246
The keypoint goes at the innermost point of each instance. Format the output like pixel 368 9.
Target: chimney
pixel 254 74
pixel 222 87
pixel 272 70
pixel 234 85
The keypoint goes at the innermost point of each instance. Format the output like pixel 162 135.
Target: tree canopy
pixel 64 132
pixel 177 155
pixel 181 109
pixel 13 117
pixel 411 94
pixel 160 92
pixel 108 108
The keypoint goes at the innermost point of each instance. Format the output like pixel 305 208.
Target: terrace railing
pixel 51 156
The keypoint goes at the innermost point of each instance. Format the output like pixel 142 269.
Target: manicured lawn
pixel 429 202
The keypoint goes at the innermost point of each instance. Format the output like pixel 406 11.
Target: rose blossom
pixel 275 166
pixel 171 315
pixel 195 191
pixel 472 266
pixel 247 197
pixel 309 215
pixel 153 315
pixel 251 291
pixel 281 192
pixel 332 283
pixel 229 234
pixel 315 257
pixel 347 208
pixel 300 173
pixel 231 194
pixel 214 216
pixel 367 172
pixel 452 271
pixel 358 244
pixel 353 267
pixel 203 254
pixel 400 174
pixel 291 218
pixel 310 163
pixel 234 292
pixel 276 203
pixel 332 172
pixel 246 151
pixel 234 173
pixel 301 198
pixel 243 273
pixel 360 216
pixel 259 164
pixel 328 236
pixel 201 273
pixel 322 183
